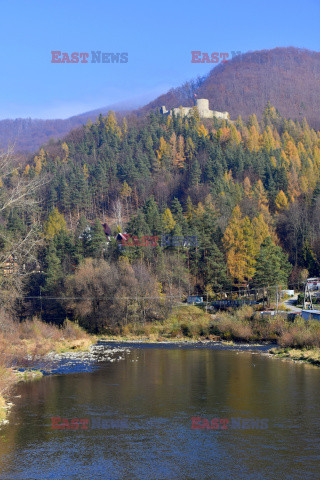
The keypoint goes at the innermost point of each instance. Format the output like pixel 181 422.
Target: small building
pixel 310 314
pixel 313 283
pixel 194 299
pixel 9 267
pixel 289 293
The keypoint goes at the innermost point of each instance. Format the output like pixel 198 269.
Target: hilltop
pixel 287 77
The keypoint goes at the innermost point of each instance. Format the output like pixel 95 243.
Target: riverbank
pixel 23 345
pixel 298 339
pixel 310 355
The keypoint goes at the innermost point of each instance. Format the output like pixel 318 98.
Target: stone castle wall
pixel 203 107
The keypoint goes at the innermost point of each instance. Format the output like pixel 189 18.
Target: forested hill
pixel 287 77
pixel 28 134
pixel 248 191
pixel 171 175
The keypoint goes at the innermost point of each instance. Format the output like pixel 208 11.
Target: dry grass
pixel 309 355
pixel 32 339
pixel 301 334
pixel 187 323
pixel 192 323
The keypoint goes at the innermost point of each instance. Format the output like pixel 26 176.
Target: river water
pixel 138 412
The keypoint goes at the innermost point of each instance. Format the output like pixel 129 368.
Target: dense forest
pixel 248 191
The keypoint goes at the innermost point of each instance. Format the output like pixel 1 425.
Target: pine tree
pixel 272 267
pixel 97 241
pixel 52 267
pixel 195 174
pixel 153 217
pixel 177 211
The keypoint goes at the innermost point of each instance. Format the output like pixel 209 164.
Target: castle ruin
pixel 203 107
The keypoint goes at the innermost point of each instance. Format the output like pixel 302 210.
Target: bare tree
pixel 17 190
pixel 118 212
pixel 18 252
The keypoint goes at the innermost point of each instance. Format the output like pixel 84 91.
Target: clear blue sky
pixel 158 37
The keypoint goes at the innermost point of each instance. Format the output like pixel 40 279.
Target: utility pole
pixel 307 292
pixel 40 301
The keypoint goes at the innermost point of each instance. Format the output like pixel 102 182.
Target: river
pixel 138 411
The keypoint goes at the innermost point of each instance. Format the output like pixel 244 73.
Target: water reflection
pixel 157 391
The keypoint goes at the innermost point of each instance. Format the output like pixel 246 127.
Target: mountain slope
pixel 287 77
pixel 27 134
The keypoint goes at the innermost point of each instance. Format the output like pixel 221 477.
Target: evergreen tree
pixel 52 267
pixel 153 217
pixel 97 241
pixel 272 267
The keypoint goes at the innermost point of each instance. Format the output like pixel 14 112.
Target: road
pixel 289 304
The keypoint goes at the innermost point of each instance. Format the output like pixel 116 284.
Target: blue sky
pixel 158 37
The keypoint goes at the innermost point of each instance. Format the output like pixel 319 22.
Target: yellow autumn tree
pixel 266 140
pixel 202 131
pixel 223 134
pixel 65 149
pixel 163 149
pixel 125 127
pixel 55 223
pixel 284 161
pixel 260 230
pixel 177 151
pixel 38 165
pixel 277 138
pixel 260 195
pixel 180 158
pixel 255 232
pixel 26 170
pixel 253 122
pixel 293 155
pixel 281 201
pixel 85 172
pixel 249 248
pixel 253 139
pixel 169 122
pixel 111 124
pixel 125 193
pixel 235 136
pixel 235 247
pixel 40 160
pixel 168 221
